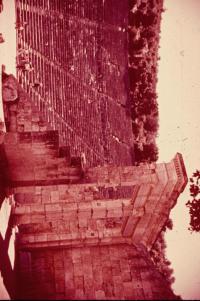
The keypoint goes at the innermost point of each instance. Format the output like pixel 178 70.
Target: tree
pixel 147 106
pixel 148 154
pixel 194 204
pixel 151 152
pixel 168 225
pixel 151 124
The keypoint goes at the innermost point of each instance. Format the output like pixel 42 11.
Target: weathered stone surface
pixel 96 219
pixel 79 232
pixel 101 272
pixel 96 216
pixel 111 210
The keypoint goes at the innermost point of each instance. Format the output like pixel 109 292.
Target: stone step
pixel 76 161
pixel 64 152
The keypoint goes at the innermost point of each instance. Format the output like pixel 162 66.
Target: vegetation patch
pixel 144 35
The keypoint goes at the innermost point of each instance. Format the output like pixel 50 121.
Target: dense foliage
pixel 194 203
pixel 148 154
pixel 144 28
pixel 158 254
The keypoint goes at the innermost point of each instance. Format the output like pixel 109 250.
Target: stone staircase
pixel 31 146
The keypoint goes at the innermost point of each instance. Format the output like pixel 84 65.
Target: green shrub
pixel 151 124
pixel 148 154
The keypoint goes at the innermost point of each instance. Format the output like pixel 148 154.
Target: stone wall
pixel 117 272
pixel 108 205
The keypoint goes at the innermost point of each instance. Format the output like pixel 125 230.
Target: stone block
pixel 119 291
pixel 73 224
pixel 19 198
pixel 37 218
pixel 70 207
pixel 127 211
pixel 59 264
pixel 53 216
pixel 46 197
pixel 39 150
pixel 37 199
pixel 126 203
pixel 140 201
pixel 78 270
pixel 100 223
pixel 76 236
pixel 41 237
pixel 25 137
pixel 139 211
pixel 124 264
pixel 37 208
pixel 98 205
pixel 60 226
pixel 88 196
pixel 83 206
pixel 54 196
pixel 84 214
pixel 92 224
pixel 100 295
pixel 129 226
pixel 89 293
pixel 22 219
pixel 137 284
pixel 139 294
pixel 99 213
pixel 114 204
pixel 70 293
pixel 11 138
pixel 126 276
pixel 97 278
pixel 144 190
pixel 80 294
pixel 82 222
pixel 65 236
pixel 34 127
pixel 24 239
pixel 107 232
pixel 91 234
pixel 60 286
pixel 39 175
pixel 71 215
pixel 128 290
pixel 76 255
pixel 116 270
pixel 154 178
pixel 53 207
pixel 107 273
pixel 147 290
pixel 114 212
pixel 53 237
pixel 22 210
